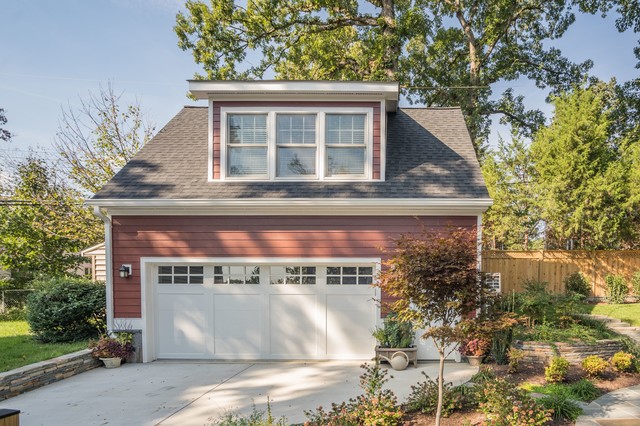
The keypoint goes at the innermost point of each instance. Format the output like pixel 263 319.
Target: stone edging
pixel 573 352
pixel 32 376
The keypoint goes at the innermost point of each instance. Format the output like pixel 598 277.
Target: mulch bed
pixel 528 373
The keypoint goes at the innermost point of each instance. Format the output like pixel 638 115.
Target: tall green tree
pixel 444 52
pixel 98 138
pixel 5 135
pixel 513 221
pixel 43 224
pixel 582 182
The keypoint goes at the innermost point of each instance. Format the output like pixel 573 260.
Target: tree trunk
pixel 388 14
pixel 440 388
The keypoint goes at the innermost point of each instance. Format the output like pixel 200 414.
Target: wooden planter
pixel 412 354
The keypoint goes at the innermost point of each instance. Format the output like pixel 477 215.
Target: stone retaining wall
pixel 42 373
pixel 573 352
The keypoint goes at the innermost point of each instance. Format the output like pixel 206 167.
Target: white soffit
pixel 277 90
pixel 376 207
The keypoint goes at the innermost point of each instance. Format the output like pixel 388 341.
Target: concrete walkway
pixel 623 405
pixel 196 393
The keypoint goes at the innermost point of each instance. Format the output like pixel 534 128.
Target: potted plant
pixel 112 350
pixel 475 350
pixel 395 342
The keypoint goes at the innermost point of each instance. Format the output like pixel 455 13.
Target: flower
pixel 474 347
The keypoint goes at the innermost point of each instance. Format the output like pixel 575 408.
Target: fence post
pixel 2 303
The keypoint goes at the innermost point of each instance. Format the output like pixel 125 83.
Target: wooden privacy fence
pixel 553 266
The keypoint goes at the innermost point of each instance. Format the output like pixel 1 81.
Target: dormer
pixel 296 130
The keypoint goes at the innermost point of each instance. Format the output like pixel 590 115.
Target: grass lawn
pixel 18 347
pixel 628 312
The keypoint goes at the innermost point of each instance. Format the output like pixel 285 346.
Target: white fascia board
pixel 279 90
pixel 297 206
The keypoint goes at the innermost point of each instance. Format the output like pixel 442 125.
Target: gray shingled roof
pixel 429 155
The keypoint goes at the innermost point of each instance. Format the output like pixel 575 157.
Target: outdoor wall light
pixel 125 271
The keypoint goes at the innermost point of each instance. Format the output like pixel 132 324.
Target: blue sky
pixel 55 52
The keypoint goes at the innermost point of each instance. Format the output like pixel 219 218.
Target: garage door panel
pixel 349 319
pixel 237 325
pixel 181 325
pixel 293 325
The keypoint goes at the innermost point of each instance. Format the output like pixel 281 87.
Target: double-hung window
pixel 284 144
pixel 296 145
pixel 247 145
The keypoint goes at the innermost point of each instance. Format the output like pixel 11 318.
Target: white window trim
pixel 320 142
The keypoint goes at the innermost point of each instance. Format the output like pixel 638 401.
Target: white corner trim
pixel 210 142
pixel 108 264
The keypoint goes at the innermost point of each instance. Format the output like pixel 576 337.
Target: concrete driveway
pixel 195 393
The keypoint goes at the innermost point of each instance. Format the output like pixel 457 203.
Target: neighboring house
pixel 254 225
pixel 97 258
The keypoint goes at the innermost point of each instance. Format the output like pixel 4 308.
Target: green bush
pixel 376 406
pixel 635 286
pixel 515 356
pixel 617 289
pixel 557 370
pixel 66 309
pixel 256 418
pixel 505 405
pixel 594 366
pixel 483 375
pixel 577 283
pixel 562 407
pixel 623 362
pixel 14 314
pixel 424 398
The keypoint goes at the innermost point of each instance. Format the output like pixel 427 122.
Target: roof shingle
pixel 429 155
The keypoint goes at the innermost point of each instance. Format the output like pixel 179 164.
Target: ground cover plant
pixel 19 348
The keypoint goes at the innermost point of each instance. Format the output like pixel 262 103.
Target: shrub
pixel 14 314
pixel 635 286
pixel 515 356
pixel 535 302
pixel 577 283
pixel 475 347
pixel 424 398
pixel 557 370
pixel 256 418
pixel 375 407
pixel 505 404
pixel 66 309
pixel 594 366
pixel 561 406
pixel 482 376
pixel 616 289
pixel 623 362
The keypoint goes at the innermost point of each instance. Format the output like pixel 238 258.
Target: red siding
pixel 376 125
pixel 252 236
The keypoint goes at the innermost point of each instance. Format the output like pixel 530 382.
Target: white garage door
pixel 235 311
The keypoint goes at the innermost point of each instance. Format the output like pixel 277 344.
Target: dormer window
pixel 280 143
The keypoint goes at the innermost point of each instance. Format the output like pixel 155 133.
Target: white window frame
pixel 321 167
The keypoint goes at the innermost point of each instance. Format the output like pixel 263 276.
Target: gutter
pixel 108 264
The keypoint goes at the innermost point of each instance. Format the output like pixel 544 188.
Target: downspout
pixel 108 264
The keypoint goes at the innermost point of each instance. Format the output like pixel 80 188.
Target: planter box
pixel 573 352
pixel 9 417
pixel 412 353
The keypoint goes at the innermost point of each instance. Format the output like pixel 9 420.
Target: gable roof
pixel 429 155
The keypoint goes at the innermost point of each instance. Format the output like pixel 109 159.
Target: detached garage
pixel 289 310
pixel 254 225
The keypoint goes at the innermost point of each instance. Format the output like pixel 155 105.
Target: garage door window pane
pixel 180 274
pixel 349 275
pixel 236 275
pixel 294 275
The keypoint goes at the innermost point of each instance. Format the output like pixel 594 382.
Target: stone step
pixel 618 325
